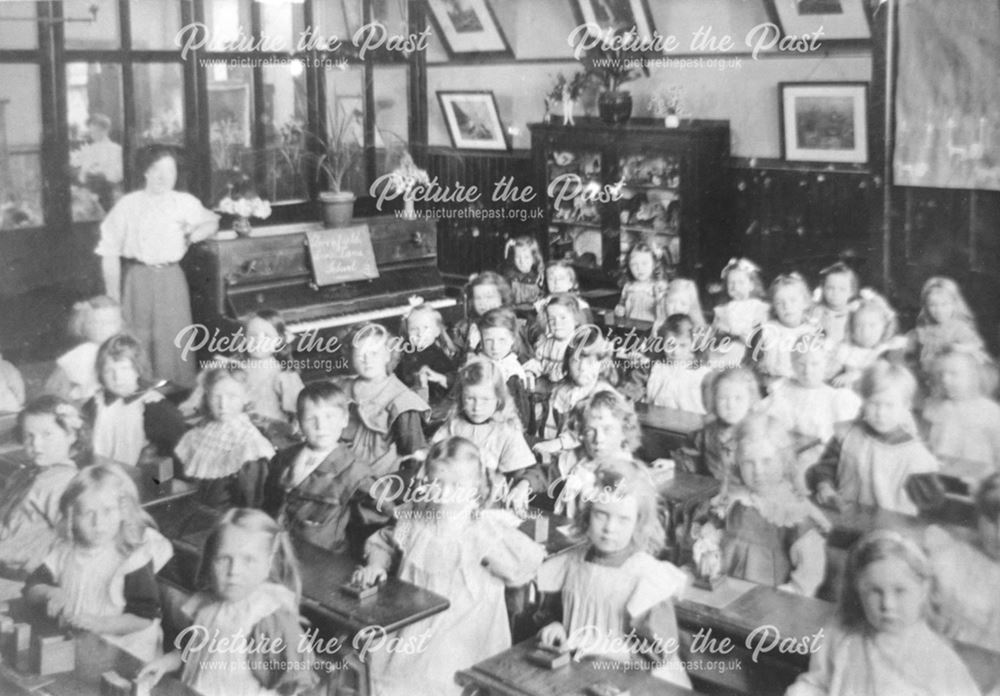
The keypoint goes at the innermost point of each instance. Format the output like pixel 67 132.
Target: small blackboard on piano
pixel 341 255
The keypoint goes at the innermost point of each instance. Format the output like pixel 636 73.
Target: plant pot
pixel 242 226
pixel 338 208
pixel 672 121
pixel 614 107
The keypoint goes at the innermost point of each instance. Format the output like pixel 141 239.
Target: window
pixel 20 147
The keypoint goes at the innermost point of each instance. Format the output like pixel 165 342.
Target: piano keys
pixel 230 279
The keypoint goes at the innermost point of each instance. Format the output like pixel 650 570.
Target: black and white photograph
pixel 499 348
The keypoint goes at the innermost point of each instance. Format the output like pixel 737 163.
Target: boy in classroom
pixel 309 486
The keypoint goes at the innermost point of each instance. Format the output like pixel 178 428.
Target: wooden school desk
pixel 682 493
pixel 735 610
pixel 666 429
pixel 511 674
pixel 94 656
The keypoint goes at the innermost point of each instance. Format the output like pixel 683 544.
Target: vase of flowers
pixel 242 203
pixel 611 63
pixel 566 91
pixel 404 179
pixel 667 105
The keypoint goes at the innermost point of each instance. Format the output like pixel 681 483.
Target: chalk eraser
pixel 549 658
pixel 605 689
pixel 359 591
pixel 541 529
pixel 52 654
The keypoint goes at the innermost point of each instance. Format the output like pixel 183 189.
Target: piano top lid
pixel 271 231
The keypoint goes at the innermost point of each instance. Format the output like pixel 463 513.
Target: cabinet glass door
pixel 649 210
pixel 573 177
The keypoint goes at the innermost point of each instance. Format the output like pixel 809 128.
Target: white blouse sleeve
pixel 114 229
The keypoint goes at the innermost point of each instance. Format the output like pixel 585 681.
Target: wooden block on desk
pixel 541 529
pixel 549 658
pixel 20 647
pixel 605 689
pixel 53 654
pixel 359 591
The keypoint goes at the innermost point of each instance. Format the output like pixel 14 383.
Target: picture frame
pixel 468 28
pixel 824 121
pixel 616 13
pixel 841 20
pixel 473 120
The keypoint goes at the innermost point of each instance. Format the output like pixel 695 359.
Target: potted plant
pixel 566 91
pixel 339 151
pixel 667 105
pixel 611 63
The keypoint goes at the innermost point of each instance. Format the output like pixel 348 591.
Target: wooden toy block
pixel 605 689
pixel 114 684
pixel 710 584
pixel 52 654
pixel 359 591
pixel 6 638
pixel 549 658
pixel 20 648
pixel 541 529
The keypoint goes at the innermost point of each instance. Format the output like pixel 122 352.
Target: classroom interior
pixel 256 105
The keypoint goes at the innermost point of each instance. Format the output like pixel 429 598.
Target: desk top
pixel 94 656
pixel 670 420
pixel 557 542
pixel 398 604
pixel 511 674
pixel 151 491
pixel 683 487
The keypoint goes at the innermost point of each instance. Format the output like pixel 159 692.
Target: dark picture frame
pixel 843 21
pixel 824 122
pixel 473 120
pixel 616 14
pixel 468 28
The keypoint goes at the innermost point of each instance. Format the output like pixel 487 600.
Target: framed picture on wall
pixel 824 121
pixel 468 27
pixel 615 14
pixel 841 20
pixel 473 120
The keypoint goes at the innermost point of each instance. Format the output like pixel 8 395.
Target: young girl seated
pixel 485 291
pixel 523 269
pixel 451 546
pixel 745 309
pixel 681 297
pixel 733 393
pixel 790 306
pixel 309 487
pixel 386 417
pixel 612 590
pixel 484 416
pixel 11 388
pixel 837 293
pixel 871 334
pixel 499 331
pixel 51 432
pixel 944 320
pixel 560 279
pixel 272 390
pixel 961 420
pixel 562 318
pixel 101 576
pixel 869 460
pixel 226 454
pixel 678 380
pixel 807 406
pixel 75 376
pixel 426 365
pixel 881 643
pixel 248 585
pixel 773 533
pixel 608 428
pixel 129 423
pixel 644 289
pixel 966 611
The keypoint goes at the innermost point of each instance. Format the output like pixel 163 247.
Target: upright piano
pixel 230 279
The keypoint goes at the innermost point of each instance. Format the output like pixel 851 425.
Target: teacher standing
pixel 143 239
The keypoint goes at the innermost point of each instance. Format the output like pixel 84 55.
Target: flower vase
pixel 408 210
pixel 241 226
pixel 672 120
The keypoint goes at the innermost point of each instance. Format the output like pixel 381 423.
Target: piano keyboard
pixel 362 317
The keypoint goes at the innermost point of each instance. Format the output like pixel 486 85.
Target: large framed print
pixel 841 20
pixel 473 120
pixel 824 121
pixel 468 27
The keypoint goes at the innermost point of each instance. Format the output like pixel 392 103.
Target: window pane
pixel 230 105
pixel 284 22
pixel 155 24
pixel 391 116
pixel 282 168
pixel 20 147
pixel 159 104
pixel 340 19
pixel 227 20
pixel 101 33
pixel 18 34
pixel 391 14
pixel 94 117
pixel 345 107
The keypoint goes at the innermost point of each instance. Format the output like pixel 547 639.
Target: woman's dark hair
pixel 151 154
